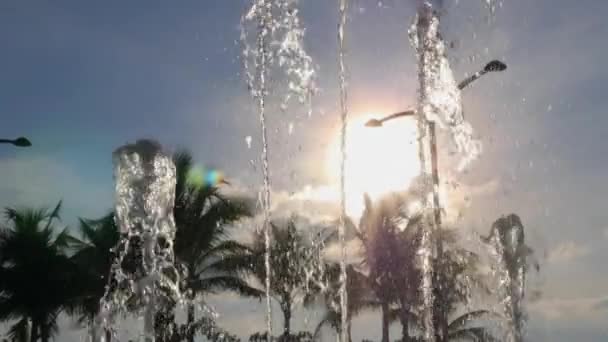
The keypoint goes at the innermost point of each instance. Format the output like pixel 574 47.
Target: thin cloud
pixel 567 251
pixel 559 308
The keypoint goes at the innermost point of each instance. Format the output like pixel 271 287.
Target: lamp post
pixel 19 142
pixel 493 66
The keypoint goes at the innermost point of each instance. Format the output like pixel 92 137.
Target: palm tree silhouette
pixel 210 260
pixel 213 262
pixel 389 250
pixel 390 237
pixel 297 270
pixel 36 276
pixel 94 257
pixel 360 298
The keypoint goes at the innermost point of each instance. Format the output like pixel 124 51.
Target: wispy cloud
pixel 567 251
pixel 559 308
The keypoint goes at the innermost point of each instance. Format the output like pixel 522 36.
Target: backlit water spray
pixel 507 244
pixel 439 102
pixel 276 42
pixel 344 122
pixel 144 196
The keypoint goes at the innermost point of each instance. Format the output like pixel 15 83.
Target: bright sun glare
pixel 379 160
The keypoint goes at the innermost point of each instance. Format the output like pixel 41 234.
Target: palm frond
pixel 183 164
pixel 19 331
pixel 225 249
pixel 225 283
pixel 476 334
pixel 461 321
pixel 53 215
pixel 330 318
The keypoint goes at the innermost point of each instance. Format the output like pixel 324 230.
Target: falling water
pixel 265 18
pixel 344 122
pixel 438 103
pixel 508 248
pixel 145 193
pixel 279 43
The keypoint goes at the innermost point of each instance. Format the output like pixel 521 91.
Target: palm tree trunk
pixel 349 330
pixel 405 332
pixel 442 323
pixel 385 322
pixel 34 331
pixel 190 330
pixel 286 308
pixel 44 332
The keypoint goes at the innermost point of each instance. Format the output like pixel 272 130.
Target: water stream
pixel 344 122
pixel 509 251
pixel 278 39
pixel 144 274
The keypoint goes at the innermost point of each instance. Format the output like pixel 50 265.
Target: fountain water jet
pixel 278 42
pixel 439 102
pixel 344 123
pixel 511 254
pixel 145 195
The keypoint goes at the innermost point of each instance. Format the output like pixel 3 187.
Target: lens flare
pixel 199 176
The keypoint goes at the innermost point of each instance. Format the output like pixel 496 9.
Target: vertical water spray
pixel 264 22
pixel 278 42
pixel 144 196
pixel 510 252
pixel 438 103
pixel 344 122
pixel 418 35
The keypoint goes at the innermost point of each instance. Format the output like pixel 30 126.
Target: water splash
pixel 510 254
pixel 492 5
pixel 343 132
pixel 275 41
pixel 439 103
pixel 284 49
pixel 145 193
pixel 440 99
pixel 261 12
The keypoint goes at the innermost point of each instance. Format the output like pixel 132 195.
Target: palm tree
pixel 35 273
pixel 94 258
pixel 460 329
pixel 390 237
pixel 454 278
pixel 212 261
pixel 389 249
pixel 203 249
pixel 360 297
pixel 296 267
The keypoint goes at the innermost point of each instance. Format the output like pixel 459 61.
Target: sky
pixel 80 79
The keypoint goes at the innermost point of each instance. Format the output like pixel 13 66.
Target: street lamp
pixel 493 66
pixel 19 142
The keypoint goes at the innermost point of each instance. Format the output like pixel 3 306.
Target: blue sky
pixel 82 78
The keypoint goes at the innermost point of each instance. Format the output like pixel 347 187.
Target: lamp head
pixel 495 65
pixel 373 123
pixel 22 142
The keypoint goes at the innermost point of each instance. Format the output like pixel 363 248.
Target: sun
pixel 379 160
